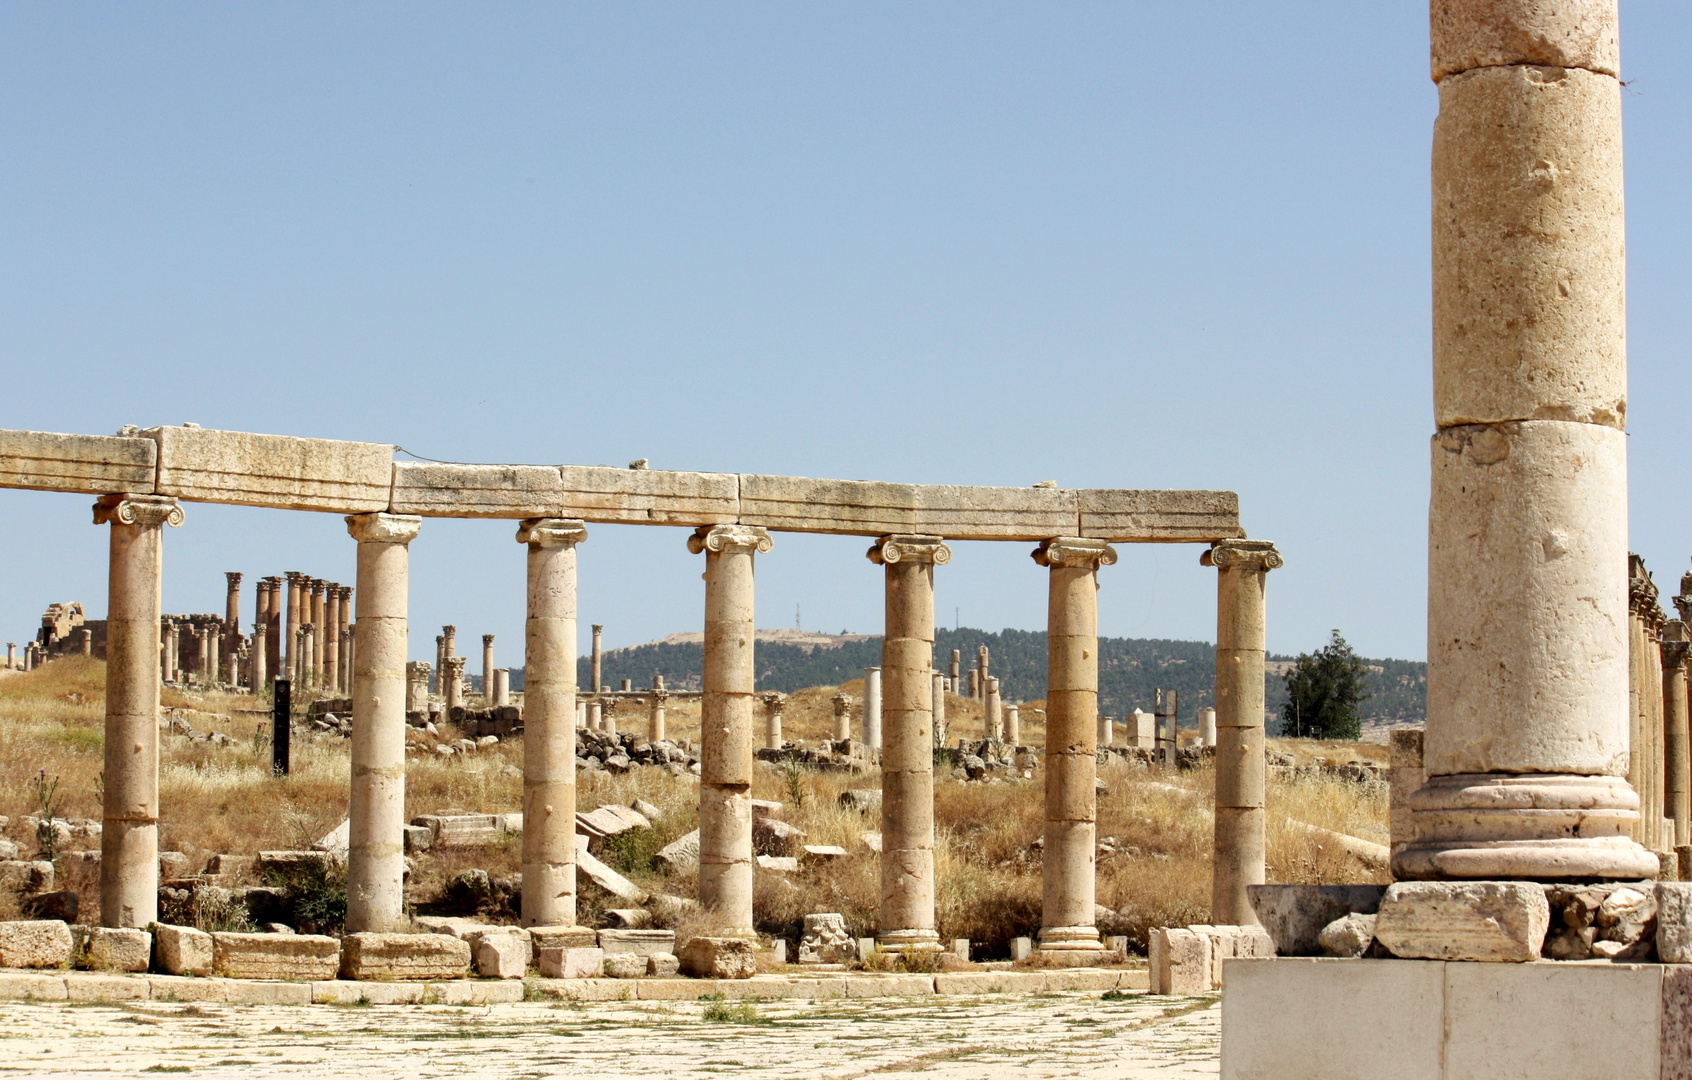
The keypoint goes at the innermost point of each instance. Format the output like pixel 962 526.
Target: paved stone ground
pixel 1069 1035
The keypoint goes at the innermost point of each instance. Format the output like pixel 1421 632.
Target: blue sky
pixel 1114 245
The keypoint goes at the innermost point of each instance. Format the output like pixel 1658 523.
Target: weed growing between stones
pixel 724 1012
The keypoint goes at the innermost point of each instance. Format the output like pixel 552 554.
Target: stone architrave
pixel 774 701
pixel 1526 747
pixel 872 708
pixel 549 730
pixel 487 668
pixel 1677 753
pixel 842 717
pixel 129 836
pixel 1241 775
pixel 907 922
pixel 725 787
pixel 993 720
pixel 1072 710
pixel 376 815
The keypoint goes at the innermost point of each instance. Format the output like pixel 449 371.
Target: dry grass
pixel 222 799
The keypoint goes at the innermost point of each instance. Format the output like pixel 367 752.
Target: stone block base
pixel 35 944
pixel 1438 1020
pixel 718 958
pixel 403 956
pixel 275 956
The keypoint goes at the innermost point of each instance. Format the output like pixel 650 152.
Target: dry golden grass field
pixel 219 797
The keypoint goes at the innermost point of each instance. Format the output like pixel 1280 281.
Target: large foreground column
pixel 1241 774
pixel 1072 712
pixel 376 856
pixel 549 728
pixel 1526 747
pixel 907 760
pixel 129 837
pixel 726 718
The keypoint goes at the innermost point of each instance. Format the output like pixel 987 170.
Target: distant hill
pixel 1130 669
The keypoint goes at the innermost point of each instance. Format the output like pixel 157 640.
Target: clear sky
pixel 1112 245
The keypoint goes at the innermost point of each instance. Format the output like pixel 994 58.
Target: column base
pixel 1533 826
pixel 907 941
pixel 1070 939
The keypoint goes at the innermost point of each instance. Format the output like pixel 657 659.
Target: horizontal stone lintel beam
pixel 334 476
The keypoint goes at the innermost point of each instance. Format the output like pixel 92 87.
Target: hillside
pixel 1130 669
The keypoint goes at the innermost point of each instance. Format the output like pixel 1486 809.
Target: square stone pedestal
pixel 1321 1019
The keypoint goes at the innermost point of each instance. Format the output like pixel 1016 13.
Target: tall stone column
pixel 842 717
pixel 213 639
pixel 597 631
pixel 261 615
pixel 982 659
pixel 608 716
pixel 655 724
pixel 454 692
pixel 774 702
pixel 376 856
pixel 992 714
pixel 725 735
pixel 278 631
pixel 872 708
pixel 232 615
pixel 1677 751
pixel 1527 548
pixel 261 648
pixel 1072 715
pixel 1241 773
pixel 440 663
pixel 1645 770
pixel 938 694
pixel 907 760
pixel 502 686
pixel 549 730
pixel 296 594
pixel 332 639
pixel 11 655
pixel 319 620
pixel 164 650
pixel 344 633
pixel 129 837
pixel 417 687
pixel 487 668
pixel 1013 725
pixel 449 650
pixel 955 670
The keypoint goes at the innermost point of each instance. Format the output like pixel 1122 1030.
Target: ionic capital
pixel 911 548
pixel 1258 555
pixel 143 510
pixel 731 538
pixel 383 528
pixel 1073 552
pixel 548 533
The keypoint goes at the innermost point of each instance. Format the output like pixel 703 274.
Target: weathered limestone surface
pixel 500 956
pixel 643 942
pixel 273 470
pixel 1513 1020
pixel 1553 33
pixel 371 956
pixel 1295 915
pixel 802 504
pixel 1674 922
pixel 1180 961
pixel 718 958
pixel 275 956
pixel 1499 921
pixel 589 493
pixel 1158 516
pixel 570 963
pixel 183 950
pixel 35 944
pixel 95 464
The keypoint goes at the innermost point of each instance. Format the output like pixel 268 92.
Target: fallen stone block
pixel 563 937
pixel 107 948
pixel 610 820
pixel 286 861
pixel 1674 922
pixel 822 853
pixel 403 957
pixel 718 958
pixel 500 956
pixel 625 966
pixel 172 864
pixel 778 864
pixel 182 950
pixel 460 830
pixel 762 808
pixel 418 839
pixel 772 836
pixel 570 963
pixel 663 965
pixel 1348 936
pixel 644 942
pixel 863 800
pixel 1179 962
pixel 26 875
pixel 338 841
pixel 629 918
pixel 871 842
pixel 679 854
pixel 603 876
pixel 1224 941
pixel 1499 921
pixel 40 943
pixel 1295 915
pixel 275 956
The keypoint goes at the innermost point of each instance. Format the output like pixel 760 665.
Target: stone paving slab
pixel 1075 1036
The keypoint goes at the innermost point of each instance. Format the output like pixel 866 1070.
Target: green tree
pixel 1324 689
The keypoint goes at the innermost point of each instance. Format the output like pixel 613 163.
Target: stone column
pixel 449 650
pixel 993 713
pixel 1013 725
pixel 129 837
pixel 907 762
pixel 1677 752
pixel 1527 549
pixel 982 659
pixel 487 668
pixel 595 715
pixel 1072 715
pixel 655 724
pixel 1207 727
pixel 345 628
pixel 549 733
pixel 453 694
pixel 319 620
pixel 376 856
pixel 725 735
pixel 502 686
pixel 974 688
pixel 872 707
pixel 296 590
pixel 774 701
pixel 278 631
pixel 1107 731
pixel 1646 760
pixel 581 713
pixel 331 636
pixel 261 659
pixel 608 716
pixel 212 639
pixel 597 631
pixel 261 614
pixel 11 655
pixel 417 687
pixel 232 615
pixel 955 671
pixel 842 717
pixel 938 693
pixel 1241 773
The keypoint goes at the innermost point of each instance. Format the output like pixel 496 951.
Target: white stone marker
pixel 129 836
pixel 872 707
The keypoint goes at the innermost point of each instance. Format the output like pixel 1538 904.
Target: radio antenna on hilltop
pixel 796 624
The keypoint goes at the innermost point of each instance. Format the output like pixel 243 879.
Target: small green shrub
pixel 722 1012
pixel 631 852
pixel 314 893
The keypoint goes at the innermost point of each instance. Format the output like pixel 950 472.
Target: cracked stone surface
pixel 1047 1035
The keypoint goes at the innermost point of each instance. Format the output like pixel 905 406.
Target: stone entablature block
pixel 94 464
